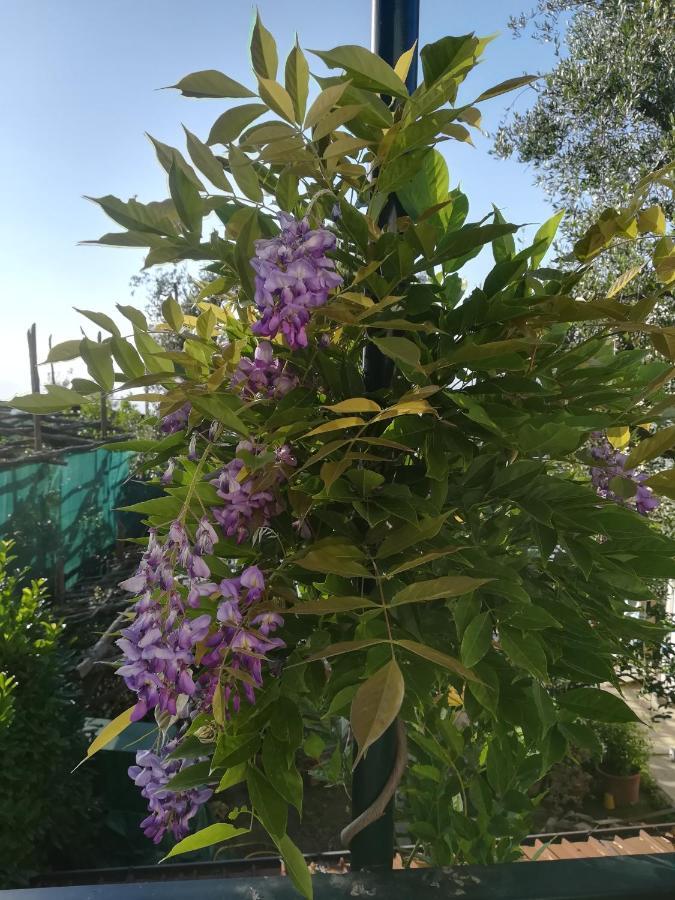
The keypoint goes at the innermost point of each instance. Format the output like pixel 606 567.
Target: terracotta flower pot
pixel 624 788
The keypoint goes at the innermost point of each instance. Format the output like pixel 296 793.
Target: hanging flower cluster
pixel 293 276
pixel 242 640
pixel 169 810
pixel 176 421
pixel 612 465
pixel 264 375
pixel 248 502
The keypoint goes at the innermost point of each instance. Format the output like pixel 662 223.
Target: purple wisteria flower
pixel 176 421
pixel 263 375
pixel 239 645
pixel 169 810
pixel 612 465
pixel 293 277
pixel 246 505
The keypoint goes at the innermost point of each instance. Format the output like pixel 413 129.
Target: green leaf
pixel 211 83
pixel 400 350
pixel 524 651
pixel 428 187
pixel 186 198
pixel 244 174
pixel 285 778
pixel 545 233
pixel 449 54
pixel 170 156
pixel 101 320
pixel 663 483
pixel 334 558
pixel 149 350
pixel 477 639
pixel 135 316
pixel 231 123
pixel 343 647
pixel 593 703
pixel 438 589
pixel 85 386
pixel 330 605
pixel 206 837
pixel 157 218
pixel 263 50
pixel 297 80
pixel 98 359
pixel 651 220
pixel 503 246
pixel 206 162
pixel 376 704
pixel 127 358
pixel 651 447
pixel 296 866
pixel 191 777
pixel 268 805
pixel 58 398
pixel 63 351
pixel 438 658
pixel 287 190
pixel 366 69
pixel 234 775
pixel 505 86
pixel 404 537
pixel 172 313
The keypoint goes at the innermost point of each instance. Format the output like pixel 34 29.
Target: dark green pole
pixel 395 28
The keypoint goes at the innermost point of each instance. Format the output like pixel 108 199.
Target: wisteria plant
pixel 327 547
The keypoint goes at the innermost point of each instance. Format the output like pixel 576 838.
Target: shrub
pixel 43 813
pixel 625 748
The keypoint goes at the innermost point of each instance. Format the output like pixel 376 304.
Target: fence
pixel 63 516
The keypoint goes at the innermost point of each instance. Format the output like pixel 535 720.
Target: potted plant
pixel 625 752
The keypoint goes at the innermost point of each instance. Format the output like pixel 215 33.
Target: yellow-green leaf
pixel 244 174
pixel 663 483
pixel 206 837
pixel 366 69
pixel 334 119
pixel 276 97
pixel 404 61
pixel 211 83
pixel 625 278
pixel 619 436
pixel 664 260
pixel 101 320
pixel 63 351
pixel 651 220
pixel 438 589
pixel 111 730
pixel 296 866
pixel 337 425
pixel 326 100
pixel 504 86
pixel 297 80
pixel 172 313
pixel 355 405
pixel 344 145
pixel 206 162
pixel 230 125
pixel 263 50
pixel 98 359
pixel 410 408
pixel 376 705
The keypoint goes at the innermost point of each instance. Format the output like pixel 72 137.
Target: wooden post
pixel 51 365
pixel 104 407
pixel 34 384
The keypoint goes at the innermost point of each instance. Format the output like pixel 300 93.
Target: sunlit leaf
pixel 206 837
pixel 438 589
pixel 376 705
pixel 211 83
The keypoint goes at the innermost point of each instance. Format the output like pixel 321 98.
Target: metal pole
pixel 395 28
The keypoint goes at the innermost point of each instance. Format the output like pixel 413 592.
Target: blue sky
pixel 78 84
